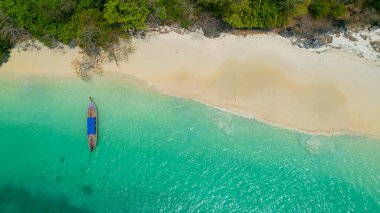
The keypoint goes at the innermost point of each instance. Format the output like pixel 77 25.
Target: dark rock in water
pixel 58 178
pixel 87 190
pixel 19 199
pixel 62 159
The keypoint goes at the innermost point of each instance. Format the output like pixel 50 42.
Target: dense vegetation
pixel 97 25
pixel 92 24
pixel 4 49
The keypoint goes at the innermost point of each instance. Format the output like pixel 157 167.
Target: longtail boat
pixel 92 125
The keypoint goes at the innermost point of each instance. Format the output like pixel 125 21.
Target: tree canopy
pixel 4 49
pixel 97 25
pixel 324 8
pixel 126 14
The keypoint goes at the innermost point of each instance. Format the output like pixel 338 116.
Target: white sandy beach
pixel 259 76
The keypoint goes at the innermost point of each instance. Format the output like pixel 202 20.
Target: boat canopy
pixel 90 126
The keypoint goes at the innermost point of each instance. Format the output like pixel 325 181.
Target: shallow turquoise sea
pixel 163 154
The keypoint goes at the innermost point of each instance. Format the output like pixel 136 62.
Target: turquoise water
pixel 159 153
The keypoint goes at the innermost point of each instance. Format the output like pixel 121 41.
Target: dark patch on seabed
pixel 87 190
pixel 58 178
pixel 19 199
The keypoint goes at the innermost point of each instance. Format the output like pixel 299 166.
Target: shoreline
pixel 191 66
pixel 332 132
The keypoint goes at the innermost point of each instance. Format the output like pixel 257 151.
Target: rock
pixel 180 31
pixel 364 36
pixel 314 43
pixel 350 37
pixel 327 39
pixel 375 45
pixel 373 28
pixel 164 29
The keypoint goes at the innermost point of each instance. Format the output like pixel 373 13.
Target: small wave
pixel 313 145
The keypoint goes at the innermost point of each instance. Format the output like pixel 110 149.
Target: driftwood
pixel 88 41
pixel 119 51
pixel 84 66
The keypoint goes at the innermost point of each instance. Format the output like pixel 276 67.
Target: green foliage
pixel 328 8
pixel 295 8
pixel 82 21
pixel 338 10
pixel 97 24
pixel 376 4
pixel 218 7
pixel 185 23
pixel 248 13
pixel 4 49
pixel 320 8
pixel 92 32
pixel 44 19
pixel 241 15
pixel 126 14
pixel 90 4
pixel 169 11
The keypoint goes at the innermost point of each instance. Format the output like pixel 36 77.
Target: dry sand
pixel 44 61
pixel 261 76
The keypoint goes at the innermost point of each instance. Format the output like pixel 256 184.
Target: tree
pixel 294 8
pixel 320 8
pixel 4 49
pixel 338 10
pixel 328 8
pixel 90 4
pixel 126 14
pixel 169 11
pixel 376 4
pixel 44 19
pixel 9 30
pixel 254 13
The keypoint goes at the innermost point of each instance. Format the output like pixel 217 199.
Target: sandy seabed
pixel 261 76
